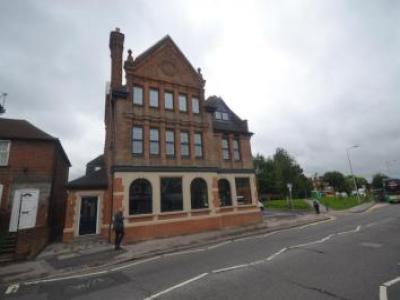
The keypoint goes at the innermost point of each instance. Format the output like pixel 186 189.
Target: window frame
pixel 185 144
pixel 150 204
pixel 162 199
pixel 172 94
pixel 158 97
pixel 154 141
pixel 227 148
pixel 180 97
pixel 236 150
pixel 170 143
pixel 197 100
pixel 230 202
pixel 224 116
pixel 216 114
pixel 133 95
pixel 6 153
pixel 196 145
pixel 238 191
pixel 138 140
pixel 204 203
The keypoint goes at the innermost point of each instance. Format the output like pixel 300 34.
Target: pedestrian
pixel 316 206
pixel 119 229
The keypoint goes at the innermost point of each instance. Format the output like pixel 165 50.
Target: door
pixel 88 218
pixel 24 209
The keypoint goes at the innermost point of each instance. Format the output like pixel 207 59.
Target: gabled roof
pixel 14 129
pixel 98 161
pixel 166 40
pixel 93 180
pixel 234 124
pixel 22 129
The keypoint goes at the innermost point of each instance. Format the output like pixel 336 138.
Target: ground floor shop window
pixel 140 200
pixel 198 193
pixel 224 190
pixel 243 190
pixel 171 194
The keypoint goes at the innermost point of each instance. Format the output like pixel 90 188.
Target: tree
pixel 377 180
pixel 335 180
pixel 274 173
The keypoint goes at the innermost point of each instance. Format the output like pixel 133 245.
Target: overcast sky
pixel 313 77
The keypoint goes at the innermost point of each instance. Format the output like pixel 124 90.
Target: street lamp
pixel 351 169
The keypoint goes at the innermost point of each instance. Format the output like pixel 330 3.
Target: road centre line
pixel 384 286
pixel 230 268
pixel 176 286
pixel 276 254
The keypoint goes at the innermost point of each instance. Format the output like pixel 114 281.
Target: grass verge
pixel 338 203
pixel 298 204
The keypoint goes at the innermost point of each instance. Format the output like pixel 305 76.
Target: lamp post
pixel 351 169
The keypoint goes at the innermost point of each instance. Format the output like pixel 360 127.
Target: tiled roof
pixel 23 130
pixel 234 124
pixel 93 180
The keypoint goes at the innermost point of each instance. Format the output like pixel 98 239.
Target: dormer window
pixel 221 116
pixel 97 168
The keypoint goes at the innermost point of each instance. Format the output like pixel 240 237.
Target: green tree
pixel 273 175
pixel 377 180
pixel 335 180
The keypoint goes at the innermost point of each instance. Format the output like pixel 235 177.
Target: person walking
pixel 316 206
pixel 119 229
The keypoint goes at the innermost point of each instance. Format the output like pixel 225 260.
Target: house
pixel 33 174
pixel 173 162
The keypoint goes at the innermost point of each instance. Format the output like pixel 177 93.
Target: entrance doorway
pixel 24 209
pixel 88 217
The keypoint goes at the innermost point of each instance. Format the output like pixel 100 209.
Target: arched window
pixel 198 193
pixel 140 201
pixel 224 190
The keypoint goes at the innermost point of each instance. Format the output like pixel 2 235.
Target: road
pixel 347 258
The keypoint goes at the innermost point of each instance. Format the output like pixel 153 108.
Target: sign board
pixel 289 186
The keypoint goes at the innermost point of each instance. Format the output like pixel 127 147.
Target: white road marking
pixel 391 282
pixel 176 286
pixel 317 223
pixel 13 288
pixel 230 268
pixel 219 245
pixel 135 263
pixel 382 293
pixel 276 254
pixel 184 252
pixel 383 288
pixel 64 278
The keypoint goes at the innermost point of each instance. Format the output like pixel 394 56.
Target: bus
pixel 391 190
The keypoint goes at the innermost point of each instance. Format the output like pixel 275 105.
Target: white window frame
pixel 135 100
pixel 183 103
pixel 195 105
pixel 6 153
pixel 154 102
pixel 165 100
pixel 1 193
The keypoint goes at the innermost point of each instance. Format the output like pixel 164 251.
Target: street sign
pixel 289 186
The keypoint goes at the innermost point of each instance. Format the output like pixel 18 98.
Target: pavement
pixel 89 253
pixel 354 256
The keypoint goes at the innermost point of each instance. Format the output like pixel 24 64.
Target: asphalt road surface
pixel 351 257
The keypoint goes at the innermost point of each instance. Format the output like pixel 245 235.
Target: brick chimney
pixel 116 48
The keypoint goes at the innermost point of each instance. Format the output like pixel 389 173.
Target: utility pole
pixel 3 103
pixel 351 170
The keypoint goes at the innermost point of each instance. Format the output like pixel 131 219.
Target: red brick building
pixel 173 161
pixel 33 174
